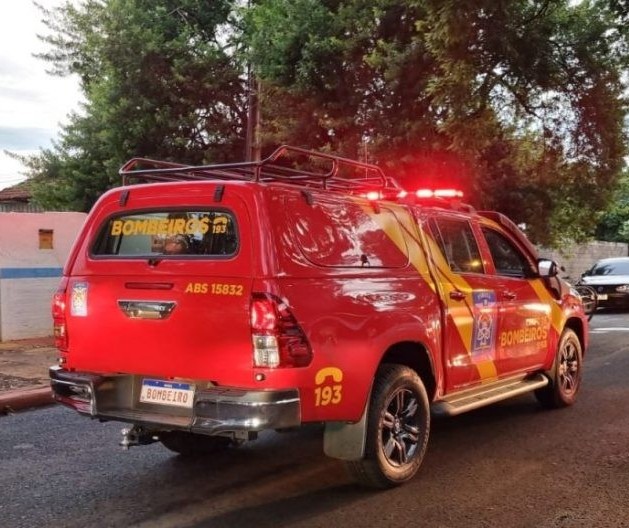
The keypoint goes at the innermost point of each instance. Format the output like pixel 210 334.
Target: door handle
pixel 509 295
pixel 457 295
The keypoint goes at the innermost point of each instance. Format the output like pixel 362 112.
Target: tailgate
pixel 191 326
pixel 164 291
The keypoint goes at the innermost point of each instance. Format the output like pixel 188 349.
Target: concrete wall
pixel 577 259
pixel 29 275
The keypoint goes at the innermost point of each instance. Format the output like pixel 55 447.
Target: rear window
pixel 169 233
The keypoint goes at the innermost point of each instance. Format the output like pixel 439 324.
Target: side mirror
pixel 547 268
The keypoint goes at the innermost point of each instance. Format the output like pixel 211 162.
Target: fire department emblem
pixel 485 314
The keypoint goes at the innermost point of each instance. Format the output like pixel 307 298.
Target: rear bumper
pixel 215 410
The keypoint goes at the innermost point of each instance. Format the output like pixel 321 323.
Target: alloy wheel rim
pixel 400 427
pixel 569 368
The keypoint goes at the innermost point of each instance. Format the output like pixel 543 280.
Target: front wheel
pixel 564 386
pixel 398 427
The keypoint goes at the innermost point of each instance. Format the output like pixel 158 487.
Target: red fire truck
pixel 204 304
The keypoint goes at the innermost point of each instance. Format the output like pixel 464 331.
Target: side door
pixel 470 301
pixel 524 321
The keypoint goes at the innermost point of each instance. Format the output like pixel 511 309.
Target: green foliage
pixel 613 225
pixel 160 80
pixel 519 101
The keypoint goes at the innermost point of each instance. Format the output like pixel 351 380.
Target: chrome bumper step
pixel 488 393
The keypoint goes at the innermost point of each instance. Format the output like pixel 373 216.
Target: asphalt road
pixel 510 465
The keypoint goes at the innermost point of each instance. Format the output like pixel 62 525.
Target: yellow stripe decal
pixel 487 369
pixel 557 317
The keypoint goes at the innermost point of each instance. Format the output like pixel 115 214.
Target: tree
pixel 160 78
pixel 613 225
pixel 519 100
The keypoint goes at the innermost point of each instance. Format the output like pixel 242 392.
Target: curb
pixel 24 399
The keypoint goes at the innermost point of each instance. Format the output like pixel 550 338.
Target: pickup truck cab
pixel 206 304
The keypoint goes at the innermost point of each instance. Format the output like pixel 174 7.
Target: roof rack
pixel 286 164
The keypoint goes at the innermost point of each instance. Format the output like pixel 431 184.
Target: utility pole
pixel 252 139
pixel 253 151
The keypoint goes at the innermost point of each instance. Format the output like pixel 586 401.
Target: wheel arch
pixel 576 325
pixel 346 441
pixel 416 356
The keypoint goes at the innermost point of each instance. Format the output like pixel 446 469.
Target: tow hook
pixel 135 436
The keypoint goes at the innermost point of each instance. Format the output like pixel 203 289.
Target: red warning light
pixel 373 195
pixel 424 193
pixel 392 194
pixel 438 193
pixel 448 193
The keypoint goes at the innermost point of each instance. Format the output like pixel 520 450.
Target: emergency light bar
pixel 438 193
pixel 421 194
pixel 397 194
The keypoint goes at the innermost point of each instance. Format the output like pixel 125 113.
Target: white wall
pixel 25 307
pixel 29 275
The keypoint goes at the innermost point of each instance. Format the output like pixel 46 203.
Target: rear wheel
pixel 190 444
pixel 563 388
pixel 397 429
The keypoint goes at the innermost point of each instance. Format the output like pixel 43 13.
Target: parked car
pixel 610 279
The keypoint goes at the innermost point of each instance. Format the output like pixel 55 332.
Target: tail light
pixel 278 340
pixel 59 305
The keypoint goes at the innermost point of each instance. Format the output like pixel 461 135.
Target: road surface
pixel 510 465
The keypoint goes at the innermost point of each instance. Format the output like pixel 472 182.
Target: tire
pixel 190 444
pixel 567 372
pixel 398 426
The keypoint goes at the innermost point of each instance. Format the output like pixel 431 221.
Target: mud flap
pixel 346 441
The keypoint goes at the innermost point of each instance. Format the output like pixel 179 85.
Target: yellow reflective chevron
pixel 557 317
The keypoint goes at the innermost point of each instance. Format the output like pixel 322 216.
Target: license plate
pixel 167 393
pixel 601 296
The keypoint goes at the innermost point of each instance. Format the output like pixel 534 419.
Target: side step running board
pixel 470 399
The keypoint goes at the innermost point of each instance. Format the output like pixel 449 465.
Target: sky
pixel 33 104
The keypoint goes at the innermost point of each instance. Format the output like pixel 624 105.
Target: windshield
pixel 620 267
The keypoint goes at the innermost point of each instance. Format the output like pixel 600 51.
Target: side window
pixel 458 245
pixel 508 260
pixel 340 233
